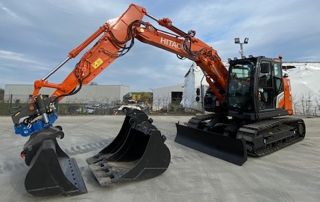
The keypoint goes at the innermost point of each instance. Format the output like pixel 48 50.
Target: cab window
pixel 277 70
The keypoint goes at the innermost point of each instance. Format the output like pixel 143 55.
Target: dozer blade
pixel 138 152
pixel 51 170
pixel 229 149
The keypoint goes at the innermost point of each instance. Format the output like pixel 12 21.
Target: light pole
pixel 237 41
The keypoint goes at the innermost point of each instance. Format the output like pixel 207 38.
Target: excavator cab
pixel 249 121
pixel 256 89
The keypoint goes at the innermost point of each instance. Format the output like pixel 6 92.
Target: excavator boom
pixel 118 37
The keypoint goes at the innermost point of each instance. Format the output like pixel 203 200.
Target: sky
pixel 35 35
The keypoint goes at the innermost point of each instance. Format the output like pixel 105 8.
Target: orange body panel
pixel 287 95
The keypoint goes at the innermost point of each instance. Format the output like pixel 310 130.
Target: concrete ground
pixel 291 174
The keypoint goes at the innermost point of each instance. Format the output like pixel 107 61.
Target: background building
pixel 164 96
pixel 88 94
pixel 193 80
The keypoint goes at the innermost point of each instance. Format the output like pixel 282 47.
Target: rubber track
pixel 275 146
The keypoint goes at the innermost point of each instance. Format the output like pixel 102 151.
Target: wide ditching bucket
pixel 227 148
pixel 51 170
pixel 138 152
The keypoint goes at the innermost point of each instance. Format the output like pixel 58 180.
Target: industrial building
pixel 184 94
pixel 194 81
pixel 164 96
pixel 88 94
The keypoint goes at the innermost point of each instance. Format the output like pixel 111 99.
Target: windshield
pixel 239 96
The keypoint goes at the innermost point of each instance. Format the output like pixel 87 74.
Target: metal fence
pixel 305 105
pixel 73 106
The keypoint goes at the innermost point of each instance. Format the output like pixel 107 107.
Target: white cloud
pixel 286 27
pixel 19 61
pixel 272 26
pixel 9 14
pixel 91 8
pixel 8 11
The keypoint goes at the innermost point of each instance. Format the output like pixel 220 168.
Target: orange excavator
pixel 248 104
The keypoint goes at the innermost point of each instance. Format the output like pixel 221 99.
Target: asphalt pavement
pixel 291 174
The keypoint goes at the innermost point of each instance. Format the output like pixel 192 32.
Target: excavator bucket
pixel 229 149
pixel 138 152
pixel 51 170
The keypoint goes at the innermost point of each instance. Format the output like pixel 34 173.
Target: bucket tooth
pixel 227 148
pixel 138 152
pixel 51 170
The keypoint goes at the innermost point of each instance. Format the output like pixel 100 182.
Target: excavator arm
pixel 118 38
pixel 112 43
pixel 114 39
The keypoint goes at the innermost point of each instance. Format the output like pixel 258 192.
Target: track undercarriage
pixel 231 139
pixel 267 136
